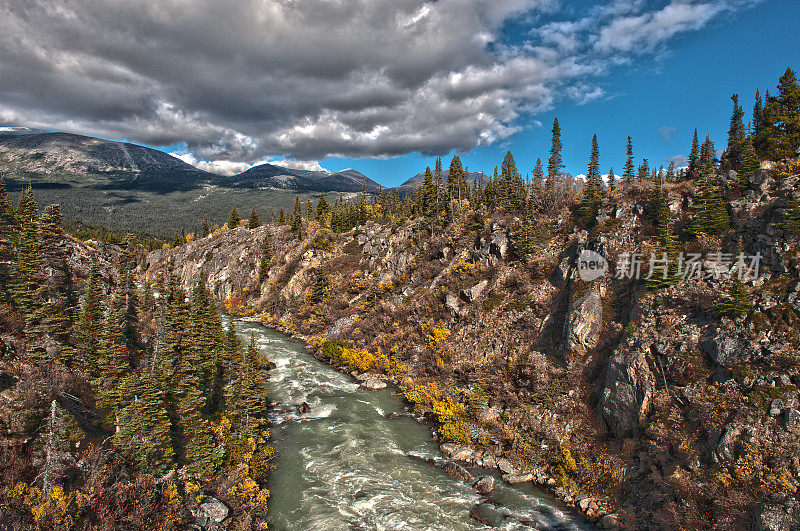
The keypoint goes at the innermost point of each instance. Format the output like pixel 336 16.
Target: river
pixel 345 465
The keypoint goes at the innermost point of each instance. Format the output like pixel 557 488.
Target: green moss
pixel 491 302
pixel 762 395
pixel 520 304
pixel 552 393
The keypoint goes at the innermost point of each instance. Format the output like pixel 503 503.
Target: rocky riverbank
pixel 646 400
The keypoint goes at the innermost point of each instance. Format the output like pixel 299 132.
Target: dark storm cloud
pixel 243 80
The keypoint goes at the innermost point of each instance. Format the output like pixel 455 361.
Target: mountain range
pixel 126 186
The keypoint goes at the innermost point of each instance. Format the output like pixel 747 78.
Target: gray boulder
pixel 584 322
pixel 777 517
pixel 726 349
pixel 792 420
pixel 627 393
pixel 210 512
pixel 725 449
pixel 484 485
pixel 470 294
pixel 456 471
pixel 372 384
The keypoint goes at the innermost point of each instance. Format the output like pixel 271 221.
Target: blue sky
pixel 371 84
pixel 657 100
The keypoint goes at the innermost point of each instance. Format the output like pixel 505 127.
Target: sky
pixel 384 86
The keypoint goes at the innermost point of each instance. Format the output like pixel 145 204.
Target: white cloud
pixel 299 165
pixel 220 167
pixel 242 80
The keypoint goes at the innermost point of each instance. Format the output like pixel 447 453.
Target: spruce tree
pixel 323 208
pixel 56 301
pixel 234 219
pixel 90 325
pixel 612 179
pixel 593 189
pixel 707 159
pixel 113 366
pixel 206 229
pixel 253 222
pixel 25 262
pixel 738 302
pixel 709 214
pixel 668 245
pixel 538 176
pixel 282 217
pixel 643 171
pixel 7 233
pixel 693 171
pixel 296 219
pixel 750 164
pixel 736 136
pixel 247 397
pixel 779 136
pixel 554 163
pixel 628 171
pixel 429 194
pixel 144 434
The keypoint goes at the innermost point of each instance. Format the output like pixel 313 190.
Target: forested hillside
pixel 121 407
pixel 662 394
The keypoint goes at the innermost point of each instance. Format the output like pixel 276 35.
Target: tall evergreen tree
pixel 736 136
pixel 253 222
pixel 779 135
pixel 56 301
pixel 113 366
pixel 429 194
pixel 144 434
pixel 296 219
pixel 612 179
pixel 628 172
pixel 693 171
pixel 25 263
pixel 90 325
pixel 593 190
pixel 538 175
pixel 323 208
pixel 234 219
pixel 750 164
pixel 554 164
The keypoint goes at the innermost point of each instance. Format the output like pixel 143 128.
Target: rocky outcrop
pixel 456 471
pixel 627 392
pixel 471 294
pixel 210 513
pixel 584 322
pixel 726 349
pixel 484 485
pixel 777 517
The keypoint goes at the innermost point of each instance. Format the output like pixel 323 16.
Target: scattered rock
pixel 725 449
pixel 627 393
pixel 469 295
pixel 513 479
pixel 486 514
pixel 777 517
pixel 609 521
pixel 484 485
pixel 210 512
pixel 457 452
pixel 303 408
pixel 726 349
pixel 776 407
pixel 792 420
pixel 372 384
pixel 584 503
pixel 585 321
pixel 505 466
pixel 489 414
pixel 456 471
